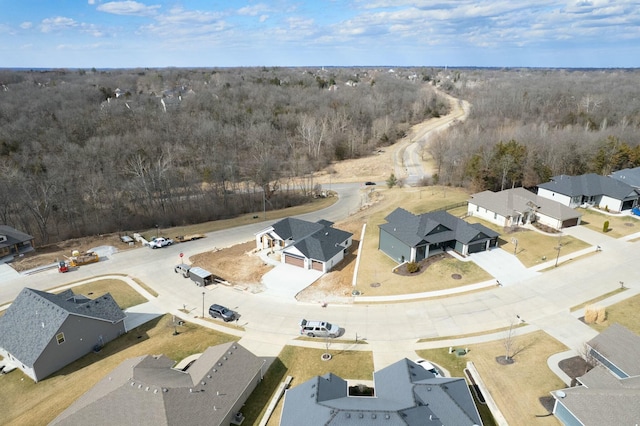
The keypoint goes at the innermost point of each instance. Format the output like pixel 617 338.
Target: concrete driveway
pixel 505 267
pixel 141 314
pixel 285 281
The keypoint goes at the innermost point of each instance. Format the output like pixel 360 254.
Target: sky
pixel 216 33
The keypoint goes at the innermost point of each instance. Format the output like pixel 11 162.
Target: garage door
pixel 476 248
pixel 569 223
pixel 292 260
pixel 316 265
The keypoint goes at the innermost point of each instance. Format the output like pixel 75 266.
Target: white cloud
pixel 128 8
pixel 253 10
pixel 26 25
pixel 57 23
pixel 263 18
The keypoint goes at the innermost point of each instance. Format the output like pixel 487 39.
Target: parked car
pixel 428 366
pixel 369 183
pixel 318 329
pixel 182 269
pixel 219 311
pixel 160 242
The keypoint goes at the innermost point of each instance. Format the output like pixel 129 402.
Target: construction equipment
pixel 78 259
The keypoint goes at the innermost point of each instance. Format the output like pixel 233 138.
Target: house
pixel 309 245
pixel 590 189
pixel 42 332
pixel 629 176
pixel 517 206
pixel 151 390
pixel 609 393
pixel 404 393
pixel 412 238
pixel 14 242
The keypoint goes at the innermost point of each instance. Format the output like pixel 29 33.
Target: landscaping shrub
pixel 413 267
pixel 594 314
pixel 605 227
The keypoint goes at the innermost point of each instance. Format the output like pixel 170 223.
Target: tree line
pixel 85 152
pixel 527 125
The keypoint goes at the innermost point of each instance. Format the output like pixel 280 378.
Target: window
pixel 60 338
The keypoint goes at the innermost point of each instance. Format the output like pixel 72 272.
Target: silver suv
pixel 318 329
pixel 219 311
pixel 182 269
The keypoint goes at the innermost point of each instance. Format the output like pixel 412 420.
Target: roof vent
pixel 133 383
pixel 373 415
pixel 155 391
pixel 348 415
pixel 208 376
pixel 561 394
pixel 165 390
pixel 361 415
pixel 386 416
pixel 146 389
pixel 224 357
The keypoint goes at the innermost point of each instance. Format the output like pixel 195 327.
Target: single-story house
pixel 309 245
pixel 629 176
pixel 412 238
pixel 150 390
pixel 42 332
pixel 609 393
pixel 590 189
pixel 14 242
pixel 517 206
pixel 403 393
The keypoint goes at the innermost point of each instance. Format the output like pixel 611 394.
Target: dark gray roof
pixel 519 199
pixel 434 227
pixel 295 229
pixel 147 391
pixel 590 185
pixel 35 317
pixel 323 244
pixel 405 394
pixel 620 346
pixel 629 176
pixel 13 236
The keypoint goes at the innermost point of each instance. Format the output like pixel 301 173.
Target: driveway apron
pixel 505 267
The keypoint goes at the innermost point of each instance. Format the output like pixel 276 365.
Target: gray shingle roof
pixel 629 176
pixel 295 229
pixel 13 236
pixel 405 394
pixel 620 346
pixel 35 317
pixel 603 400
pixel 434 227
pixel 506 202
pixel 323 244
pixel 145 390
pixel 589 185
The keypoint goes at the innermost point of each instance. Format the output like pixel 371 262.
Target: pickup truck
pixel 160 242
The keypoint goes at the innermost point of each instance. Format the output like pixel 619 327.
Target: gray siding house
pixel 404 394
pixel 309 245
pixel 609 393
pixel 410 238
pixel 148 390
pixel 42 332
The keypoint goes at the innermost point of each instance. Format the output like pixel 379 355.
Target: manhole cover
pixel 456 276
pixel 375 285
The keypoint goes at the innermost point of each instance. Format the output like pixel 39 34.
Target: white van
pixel 318 329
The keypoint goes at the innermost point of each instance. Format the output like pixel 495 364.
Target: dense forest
pixel 527 125
pixel 86 152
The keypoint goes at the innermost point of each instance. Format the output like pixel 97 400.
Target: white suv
pixel 318 329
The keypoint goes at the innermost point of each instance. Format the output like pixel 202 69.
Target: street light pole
pixel 203 304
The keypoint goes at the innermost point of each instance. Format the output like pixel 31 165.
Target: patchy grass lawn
pixel 516 388
pixel 27 403
pixel 122 293
pixel 619 225
pixel 625 313
pixel 303 364
pixel 377 268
